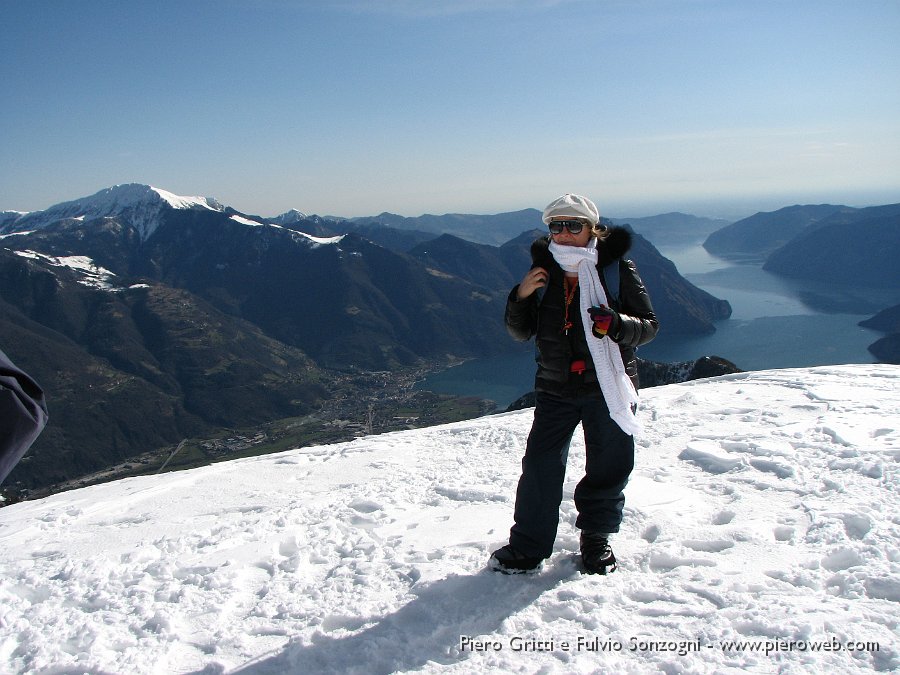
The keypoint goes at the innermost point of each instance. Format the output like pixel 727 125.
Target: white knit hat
pixel 573 206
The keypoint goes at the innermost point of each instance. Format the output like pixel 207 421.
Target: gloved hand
pixel 605 320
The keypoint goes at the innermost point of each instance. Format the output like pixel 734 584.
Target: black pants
pixel 598 496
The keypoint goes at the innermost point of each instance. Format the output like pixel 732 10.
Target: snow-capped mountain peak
pixel 142 204
pixel 177 202
pixel 292 216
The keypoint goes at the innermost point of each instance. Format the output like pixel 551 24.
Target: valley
pixel 365 404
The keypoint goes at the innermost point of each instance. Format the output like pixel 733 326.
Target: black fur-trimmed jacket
pixel 542 315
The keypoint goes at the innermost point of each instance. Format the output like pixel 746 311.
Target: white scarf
pixel 617 387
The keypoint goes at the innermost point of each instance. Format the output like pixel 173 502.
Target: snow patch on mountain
pixel 15 234
pixel 295 235
pixel 320 241
pixel 246 221
pixel 92 274
pixel 760 535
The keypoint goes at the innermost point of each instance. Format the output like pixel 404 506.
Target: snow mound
pixel 760 535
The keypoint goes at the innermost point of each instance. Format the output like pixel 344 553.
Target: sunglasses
pixel 573 226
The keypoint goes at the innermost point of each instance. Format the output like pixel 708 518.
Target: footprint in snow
pixel 708 546
pixel 710 457
pixel 723 517
pixel 365 506
pixel 651 533
pixel 662 561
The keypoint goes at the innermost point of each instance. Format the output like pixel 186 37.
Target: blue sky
pixel 352 107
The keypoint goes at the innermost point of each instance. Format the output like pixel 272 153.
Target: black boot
pixel 596 554
pixel 511 561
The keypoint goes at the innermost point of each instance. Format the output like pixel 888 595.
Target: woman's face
pixel 566 238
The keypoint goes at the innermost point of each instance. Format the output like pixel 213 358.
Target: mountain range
pixel 857 246
pixel 497 229
pixel 821 243
pixel 766 232
pixel 149 317
pixel 829 247
pixel 493 229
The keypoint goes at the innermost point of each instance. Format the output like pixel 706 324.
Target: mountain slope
pixel 378 309
pixel 886 321
pixel 99 415
pixel 130 371
pixel 858 248
pixel 673 228
pixel 762 233
pixel 478 263
pixel 760 515
pixel 887 348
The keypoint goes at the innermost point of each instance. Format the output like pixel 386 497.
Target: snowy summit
pixel 141 204
pixel 760 535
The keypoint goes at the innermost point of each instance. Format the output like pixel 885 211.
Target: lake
pixel 775 323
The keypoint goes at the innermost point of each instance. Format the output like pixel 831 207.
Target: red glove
pixel 605 320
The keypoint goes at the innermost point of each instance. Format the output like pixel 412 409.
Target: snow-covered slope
pixel 141 204
pixel 90 272
pixel 761 535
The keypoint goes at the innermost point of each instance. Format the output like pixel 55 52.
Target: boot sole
pixel 603 571
pixel 496 566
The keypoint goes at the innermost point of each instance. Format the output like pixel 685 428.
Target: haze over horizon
pixel 346 108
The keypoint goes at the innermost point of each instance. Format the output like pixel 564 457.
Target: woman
pixel 588 310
